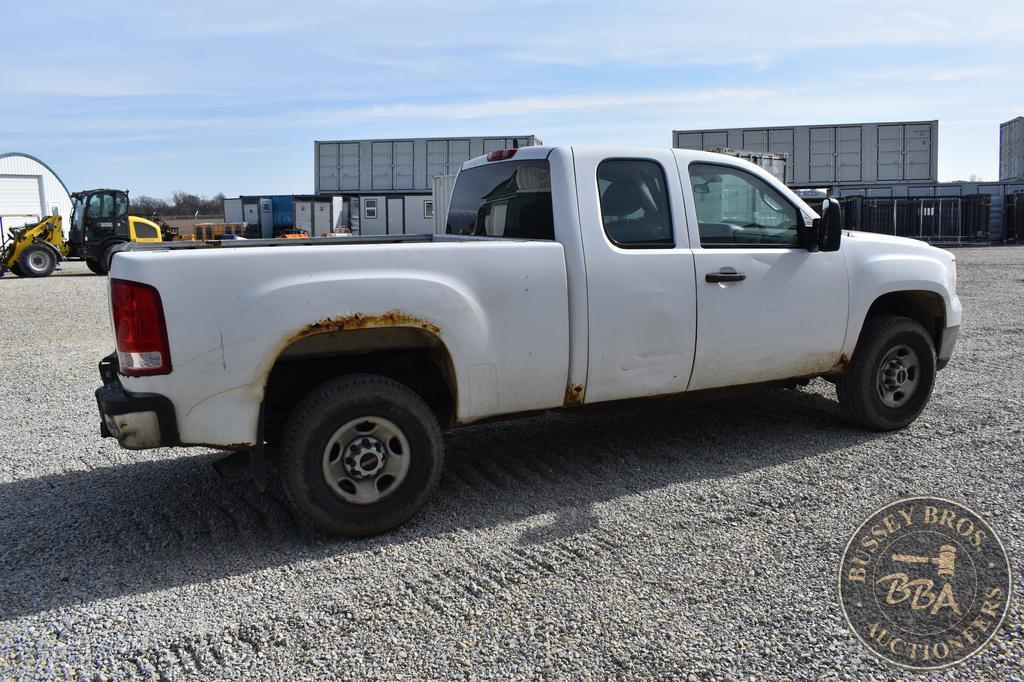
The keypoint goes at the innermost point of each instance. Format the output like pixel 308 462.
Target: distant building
pixel 29 190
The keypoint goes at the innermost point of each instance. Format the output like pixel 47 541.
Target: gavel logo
pixel 946 560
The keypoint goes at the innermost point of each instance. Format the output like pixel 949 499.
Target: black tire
pixel 94 267
pixel 106 258
pixel 16 269
pixel 316 420
pixel 859 391
pixel 37 260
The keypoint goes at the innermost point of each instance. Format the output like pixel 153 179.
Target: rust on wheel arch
pixel 573 395
pixel 392 318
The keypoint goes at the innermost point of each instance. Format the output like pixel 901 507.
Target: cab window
pixel 506 199
pixel 735 207
pixel 100 206
pixel 144 230
pixel 634 203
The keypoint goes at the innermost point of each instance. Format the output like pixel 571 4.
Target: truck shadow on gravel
pixel 80 537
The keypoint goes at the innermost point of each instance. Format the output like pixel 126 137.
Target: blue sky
pixel 229 96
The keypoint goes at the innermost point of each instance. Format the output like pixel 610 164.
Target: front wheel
pixel 94 267
pixel 37 260
pixel 891 376
pixel 360 455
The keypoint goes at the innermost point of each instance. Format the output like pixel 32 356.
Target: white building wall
pixel 53 197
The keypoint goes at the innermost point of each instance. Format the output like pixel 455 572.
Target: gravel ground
pixel 691 541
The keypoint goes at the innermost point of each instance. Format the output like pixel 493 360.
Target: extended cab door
pixel 639 271
pixel 767 308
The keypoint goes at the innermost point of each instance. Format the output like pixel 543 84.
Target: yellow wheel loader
pixel 99 222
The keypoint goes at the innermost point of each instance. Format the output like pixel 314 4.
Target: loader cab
pixel 99 222
pixel 99 214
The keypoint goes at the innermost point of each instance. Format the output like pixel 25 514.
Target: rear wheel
pixel 16 269
pixel 94 266
pixel 360 455
pixel 37 260
pixel 891 376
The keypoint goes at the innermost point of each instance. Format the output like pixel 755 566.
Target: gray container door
pixel 251 213
pixel 396 215
pixel 437 160
pixel 782 141
pixel 493 144
pixel 890 152
pixel 328 167
pixel 349 174
pixel 381 165
pixel 304 215
pixel 849 156
pixel 918 146
pixel 322 218
pixel 822 152
pixel 403 165
pixel 688 141
pixel 755 140
pixel 267 217
pixel 716 139
pixel 458 153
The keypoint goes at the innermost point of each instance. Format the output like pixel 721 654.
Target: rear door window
pixel 634 203
pixel 505 199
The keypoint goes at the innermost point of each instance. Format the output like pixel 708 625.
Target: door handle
pixel 725 277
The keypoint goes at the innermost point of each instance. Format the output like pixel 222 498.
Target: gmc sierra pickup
pixel 568 276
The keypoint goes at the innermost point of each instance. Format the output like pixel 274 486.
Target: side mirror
pixel 827 231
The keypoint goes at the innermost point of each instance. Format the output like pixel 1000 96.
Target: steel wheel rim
pixel 898 376
pixel 366 460
pixel 37 261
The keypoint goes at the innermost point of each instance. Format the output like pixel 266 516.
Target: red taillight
pixel 501 154
pixel 139 327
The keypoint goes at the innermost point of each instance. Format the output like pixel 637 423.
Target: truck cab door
pixel 639 271
pixel 768 308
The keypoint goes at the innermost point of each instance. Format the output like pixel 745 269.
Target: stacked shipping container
pixel 830 155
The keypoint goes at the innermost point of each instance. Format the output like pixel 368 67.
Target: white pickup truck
pixel 569 276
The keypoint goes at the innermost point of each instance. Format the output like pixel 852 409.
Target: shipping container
pixel 773 162
pixel 834 155
pixel 398 166
pixel 1011 149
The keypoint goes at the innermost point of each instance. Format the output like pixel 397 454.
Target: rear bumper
pixel 948 345
pixel 138 421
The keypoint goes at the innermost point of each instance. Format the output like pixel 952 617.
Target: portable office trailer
pixel 317 215
pixel 383 214
pixel 1011 149
pixel 998 191
pixel 834 155
pixel 370 167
